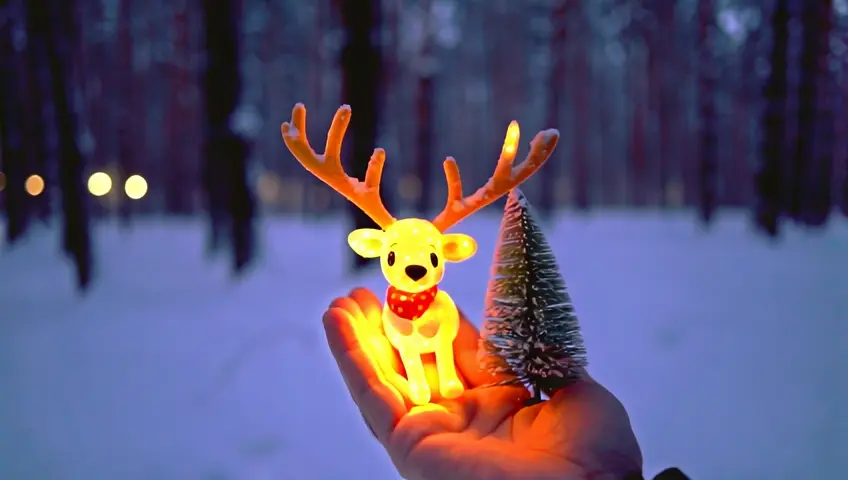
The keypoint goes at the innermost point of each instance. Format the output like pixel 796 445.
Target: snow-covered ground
pixel 728 350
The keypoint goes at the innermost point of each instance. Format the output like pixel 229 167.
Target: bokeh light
pixel 269 188
pixel 409 188
pixel 34 185
pixel 99 184
pixel 135 187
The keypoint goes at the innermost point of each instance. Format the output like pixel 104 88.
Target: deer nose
pixel 415 272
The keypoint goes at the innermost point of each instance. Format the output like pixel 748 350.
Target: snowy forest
pixel 175 107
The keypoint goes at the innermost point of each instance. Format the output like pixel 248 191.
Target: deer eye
pixel 434 259
pixel 390 259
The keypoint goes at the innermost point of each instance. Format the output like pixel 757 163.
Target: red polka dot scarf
pixel 410 305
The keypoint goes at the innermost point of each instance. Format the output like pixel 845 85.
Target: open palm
pixel 488 432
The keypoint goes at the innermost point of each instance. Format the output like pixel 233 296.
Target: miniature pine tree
pixel 530 330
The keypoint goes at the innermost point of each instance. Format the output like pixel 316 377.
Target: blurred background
pixel 696 200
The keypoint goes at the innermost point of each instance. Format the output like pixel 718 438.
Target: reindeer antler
pixel 328 167
pixel 505 178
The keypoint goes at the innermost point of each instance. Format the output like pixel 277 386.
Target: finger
pixel 336 134
pixel 373 341
pixel 469 360
pixel 380 404
pixel 371 310
pixel 350 306
pixel 299 121
pixel 369 304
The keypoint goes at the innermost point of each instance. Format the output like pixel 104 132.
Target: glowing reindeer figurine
pixel 418 318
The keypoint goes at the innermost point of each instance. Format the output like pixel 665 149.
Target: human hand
pixel 582 432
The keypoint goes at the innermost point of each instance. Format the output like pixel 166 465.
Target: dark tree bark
pixel 424 116
pixel 361 64
pixel 769 178
pixel 580 95
pixel 127 108
pixel 12 136
pixel 424 136
pixel 226 152
pixel 57 22
pixel 177 196
pixel 35 142
pixel 708 146
pixel 553 98
pixel 812 162
pixel 662 93
pixel 636 148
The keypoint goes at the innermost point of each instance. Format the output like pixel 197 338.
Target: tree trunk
pixel 637 149
pixel 553 98
pixel 361 64
pixel 580 91
pixel 177 190
pixel 127 109
pixel 708 146
pixel 813 162
pixel 12 135
pixel 663 95
pixel 226 152
pixel 424 137
pixel 769 178
pixel 423 65
pixel 60 31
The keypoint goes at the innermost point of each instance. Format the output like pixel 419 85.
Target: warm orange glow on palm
pixel 417 318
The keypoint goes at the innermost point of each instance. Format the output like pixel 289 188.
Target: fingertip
pixel 363 293
pixel 369 305
pixel 337 327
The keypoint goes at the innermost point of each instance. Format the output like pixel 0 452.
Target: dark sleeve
pixel 667 474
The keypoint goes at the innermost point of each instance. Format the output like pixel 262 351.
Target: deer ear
pixel 367 242
pixel 457 247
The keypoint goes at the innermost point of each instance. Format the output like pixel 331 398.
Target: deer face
pixel 412 252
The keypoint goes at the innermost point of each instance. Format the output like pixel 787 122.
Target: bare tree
pixel 769 178
pixel 361 64
pixel 12 150
pixel 57 22
pixel 813 157
pixel 424 66
pixel 226 152
pixel 580 95
pixel 127 108
pixel 558 18
pixel 707 78
pixel 177 171
pixel 663 96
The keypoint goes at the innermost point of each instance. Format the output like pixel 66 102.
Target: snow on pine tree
pixel 530 329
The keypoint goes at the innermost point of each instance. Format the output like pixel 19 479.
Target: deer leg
pixel 449 384
pixel 419 390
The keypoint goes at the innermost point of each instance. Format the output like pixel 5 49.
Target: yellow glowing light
pixel 2 181
pixel 34 185
pixel 99 184
pixel 513 133
pixel 417 318
pixel 269 188
pixel 135 187
pixel 409 187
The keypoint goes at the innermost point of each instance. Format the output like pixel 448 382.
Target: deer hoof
pixel 451 388
pixel 419 396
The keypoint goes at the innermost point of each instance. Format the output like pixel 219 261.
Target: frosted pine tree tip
pixel 530 331
pixel 516 195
